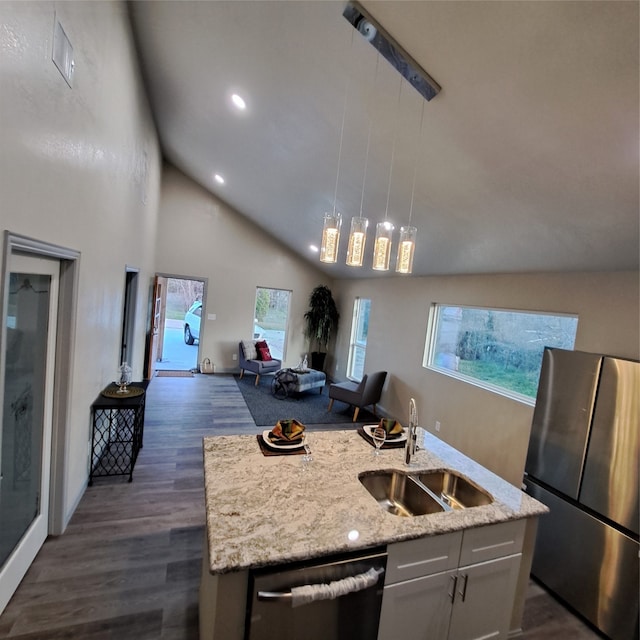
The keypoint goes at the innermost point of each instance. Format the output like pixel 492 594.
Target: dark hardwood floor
pixel 128 565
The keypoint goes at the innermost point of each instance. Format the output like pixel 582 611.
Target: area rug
pixel 174 374
pixel 309 407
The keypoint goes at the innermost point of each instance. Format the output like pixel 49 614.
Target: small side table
pixel 118 429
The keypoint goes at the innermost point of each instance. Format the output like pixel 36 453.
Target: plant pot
pixel 317 360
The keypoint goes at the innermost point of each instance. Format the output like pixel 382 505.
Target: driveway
pixel 175 353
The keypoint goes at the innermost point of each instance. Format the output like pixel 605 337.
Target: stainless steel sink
pixel 454 490
pixel 400 494
pixel 408 495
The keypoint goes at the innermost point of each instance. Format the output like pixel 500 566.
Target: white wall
pixel 200 236
pixel 75 165
pixel 490 428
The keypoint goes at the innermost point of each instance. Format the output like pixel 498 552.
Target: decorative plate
pixel 368 428
pixel 277 445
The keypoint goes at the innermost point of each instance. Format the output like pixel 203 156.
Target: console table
pixel 118 427
pixel 288 381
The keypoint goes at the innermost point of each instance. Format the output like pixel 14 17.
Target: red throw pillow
pixel 263 350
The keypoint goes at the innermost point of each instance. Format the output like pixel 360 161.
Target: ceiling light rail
pixel 399 59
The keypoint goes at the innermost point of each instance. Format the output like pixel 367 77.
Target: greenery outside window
pixel 271 319
pixel 358 341
pixel 497 349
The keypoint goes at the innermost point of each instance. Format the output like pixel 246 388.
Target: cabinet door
pixel 417 609
pixel 484 599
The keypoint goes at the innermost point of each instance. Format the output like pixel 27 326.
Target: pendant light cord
pixel 415 168
pixel 393 148
pixel 344 113
pixel 366 158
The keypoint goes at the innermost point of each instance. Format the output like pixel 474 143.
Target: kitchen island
pixel 273 510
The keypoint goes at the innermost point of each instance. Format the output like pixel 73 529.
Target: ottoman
pixel 288 381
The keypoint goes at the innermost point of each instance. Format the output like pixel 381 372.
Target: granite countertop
pixel 266 510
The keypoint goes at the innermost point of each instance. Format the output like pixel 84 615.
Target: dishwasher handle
pixel 307 593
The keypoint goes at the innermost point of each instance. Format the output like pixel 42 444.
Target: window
pixel 496 349
pixel 271 319
pixel 358 341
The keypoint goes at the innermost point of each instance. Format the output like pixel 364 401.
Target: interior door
pixel 27 361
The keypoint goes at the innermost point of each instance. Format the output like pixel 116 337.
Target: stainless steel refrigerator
pixel 582 463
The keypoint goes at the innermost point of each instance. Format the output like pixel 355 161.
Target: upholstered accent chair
pixel 366 392
pixel 248 359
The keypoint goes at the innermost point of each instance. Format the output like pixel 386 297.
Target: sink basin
pixel 454 490
pixel 400 494
pixel 403 494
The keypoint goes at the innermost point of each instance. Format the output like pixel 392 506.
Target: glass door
pixel 27 360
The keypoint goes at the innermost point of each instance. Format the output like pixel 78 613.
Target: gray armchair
pixel 359 395
pixel 256 366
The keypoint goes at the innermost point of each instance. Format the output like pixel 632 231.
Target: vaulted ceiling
pixel 527 160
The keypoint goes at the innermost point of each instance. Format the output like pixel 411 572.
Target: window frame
pixel 275 351
pixel 356 344
pixel 432 334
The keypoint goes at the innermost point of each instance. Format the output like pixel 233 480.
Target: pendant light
pixel 333 220
pixel 357 241
pixel 330 237
pixel 359 224
pixel 407 243
pixel 384 230
pixel 406 249
pixel 382 246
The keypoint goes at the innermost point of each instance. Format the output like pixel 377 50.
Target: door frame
pixel 129 313
pixel 63 368
pixel 158 315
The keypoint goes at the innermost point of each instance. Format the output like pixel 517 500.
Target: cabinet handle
pixel 463 588
pixel 453 580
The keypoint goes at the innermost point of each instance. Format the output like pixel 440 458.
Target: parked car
pixel 192 323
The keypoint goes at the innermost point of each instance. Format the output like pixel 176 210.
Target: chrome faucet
pixel 412 436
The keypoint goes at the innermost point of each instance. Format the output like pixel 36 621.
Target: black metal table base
pixel 118 427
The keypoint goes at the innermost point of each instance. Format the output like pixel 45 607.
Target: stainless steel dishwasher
pixel 338 598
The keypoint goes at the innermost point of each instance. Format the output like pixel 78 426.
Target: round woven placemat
pixel 112 392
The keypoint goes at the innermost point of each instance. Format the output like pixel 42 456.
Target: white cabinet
pixel 457 586
pixel 484 599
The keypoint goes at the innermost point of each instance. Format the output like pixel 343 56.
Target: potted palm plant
pixel 321 320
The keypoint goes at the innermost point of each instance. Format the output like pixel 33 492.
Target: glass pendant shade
pixel 382 247
pixel 406 248
pixel 357 239
pixel 330 237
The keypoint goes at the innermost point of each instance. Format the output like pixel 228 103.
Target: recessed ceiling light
pixel 238 102
pixel 313 248
pixel 218 178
